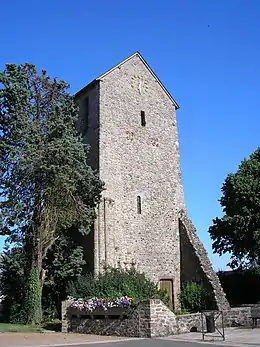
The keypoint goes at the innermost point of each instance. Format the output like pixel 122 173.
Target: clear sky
pixel 206 52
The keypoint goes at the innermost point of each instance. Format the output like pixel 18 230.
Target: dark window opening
pixel 139 207
pixel 143 122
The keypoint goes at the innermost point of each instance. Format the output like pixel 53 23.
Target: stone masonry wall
pixel 139 161
pixel 163 322
pixel 136 324
pixel 143 161
pixel 195 263
pixel 232 318
pixel 149 318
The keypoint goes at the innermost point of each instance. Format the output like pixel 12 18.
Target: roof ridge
pixel 137 53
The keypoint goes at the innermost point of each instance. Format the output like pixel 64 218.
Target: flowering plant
pixel 92 304
pixel 114 283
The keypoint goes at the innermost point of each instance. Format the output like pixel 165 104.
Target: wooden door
pixel 167 286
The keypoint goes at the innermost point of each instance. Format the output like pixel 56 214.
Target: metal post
pixel 223 330
pixel 211 318
pixel 202 326
pixel 105 230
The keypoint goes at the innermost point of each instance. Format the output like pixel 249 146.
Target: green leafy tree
pixel 64 263
pixel 46 185
pixel 238 231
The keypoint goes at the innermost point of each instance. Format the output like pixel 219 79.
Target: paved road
pixel 234 337
pixel 148 343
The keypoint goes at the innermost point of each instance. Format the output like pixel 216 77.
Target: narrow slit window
pixel 139 206
pixel 143 122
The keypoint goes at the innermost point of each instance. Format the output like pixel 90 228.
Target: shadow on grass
pixel 54 325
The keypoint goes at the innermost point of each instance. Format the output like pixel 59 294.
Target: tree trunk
pixel 33 287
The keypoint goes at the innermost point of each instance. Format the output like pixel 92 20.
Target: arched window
pixel 139 205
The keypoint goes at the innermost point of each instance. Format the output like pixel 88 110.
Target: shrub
pixel 113 283
pixel 194 297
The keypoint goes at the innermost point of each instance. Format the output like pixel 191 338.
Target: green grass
pixel 53 325
pixel 17 328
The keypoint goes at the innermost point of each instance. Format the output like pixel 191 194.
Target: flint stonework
pixel 150 318
pixel 129 120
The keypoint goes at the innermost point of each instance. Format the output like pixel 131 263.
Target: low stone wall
pixel 134 323
pixel 162 321
pixel 189 322
pixel 239 316
pixel 149 318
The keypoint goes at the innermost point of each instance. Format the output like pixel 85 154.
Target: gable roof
pixel 123 62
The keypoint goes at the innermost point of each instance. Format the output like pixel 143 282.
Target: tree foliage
pixel 12 280
pixel 64 263
pixel 238 231
pixel 46 185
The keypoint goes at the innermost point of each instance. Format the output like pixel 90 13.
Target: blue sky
pixel 207 54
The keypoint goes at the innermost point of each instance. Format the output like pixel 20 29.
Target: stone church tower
pixel 129 119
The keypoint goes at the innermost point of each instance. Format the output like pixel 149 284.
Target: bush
pixel 194 297
pixel 114 283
